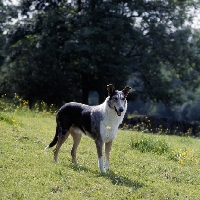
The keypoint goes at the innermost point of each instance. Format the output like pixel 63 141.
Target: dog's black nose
pixel 121 109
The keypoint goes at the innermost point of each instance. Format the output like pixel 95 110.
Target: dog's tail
pixel 54 141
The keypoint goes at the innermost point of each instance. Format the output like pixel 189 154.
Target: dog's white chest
pixel 109 127
pixel 106 121
pixel 108 132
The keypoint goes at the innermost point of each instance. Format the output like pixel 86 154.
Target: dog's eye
pixel 116 98
pixel 123 98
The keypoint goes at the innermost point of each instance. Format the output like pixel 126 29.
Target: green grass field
pixel 143 166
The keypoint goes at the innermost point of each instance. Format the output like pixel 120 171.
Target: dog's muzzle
pixel 119 111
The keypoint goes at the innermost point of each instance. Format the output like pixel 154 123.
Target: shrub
pixel 147 144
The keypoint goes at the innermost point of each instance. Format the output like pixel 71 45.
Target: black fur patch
pixel 77 114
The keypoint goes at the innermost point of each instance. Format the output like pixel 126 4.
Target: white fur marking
pixel 101 165
pixel 110 123
pixel 107 164
pixel 46 148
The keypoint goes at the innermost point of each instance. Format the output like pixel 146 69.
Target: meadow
pixel 143 165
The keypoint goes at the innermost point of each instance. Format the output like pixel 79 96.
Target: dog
pixel 99 122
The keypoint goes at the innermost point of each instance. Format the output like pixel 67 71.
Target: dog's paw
pixel 107 166
pixel 103 171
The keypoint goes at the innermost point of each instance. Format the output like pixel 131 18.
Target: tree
pixel 163 54
pixel 101 45
pixel 96 42
pixel 36 59
pixel 7 13
pixel 71 42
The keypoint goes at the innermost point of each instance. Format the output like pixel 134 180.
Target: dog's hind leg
pixel 76 138
pixel 61 140
pixel 108 146
pixel 99 145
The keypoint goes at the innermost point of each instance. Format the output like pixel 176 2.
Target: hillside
pixel 143 166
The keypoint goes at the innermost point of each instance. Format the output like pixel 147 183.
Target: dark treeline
pixel 57 51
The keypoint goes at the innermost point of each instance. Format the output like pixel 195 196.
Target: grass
pixel 143 166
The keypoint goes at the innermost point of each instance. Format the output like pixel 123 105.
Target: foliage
pixel 147 144
pixel 184 157
pixel 59 51
pixel 6 118
pixel 35 73
pixel 191 110
pixel 18 104
pixel 161 125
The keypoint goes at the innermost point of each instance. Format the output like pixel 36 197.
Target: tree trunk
pixel 101 87
pixel 89 83
pixel 85 88
pixel 101 92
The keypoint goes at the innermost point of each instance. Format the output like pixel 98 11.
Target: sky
pixel 15 2
pixel 196 23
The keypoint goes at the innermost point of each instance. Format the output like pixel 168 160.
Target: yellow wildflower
pixel 181 162
pixel 195 160
pixel 184 154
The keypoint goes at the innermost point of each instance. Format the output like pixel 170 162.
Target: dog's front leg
pixel 108 146
pixel 99 145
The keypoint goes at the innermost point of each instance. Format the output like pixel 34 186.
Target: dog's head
pixel 117 100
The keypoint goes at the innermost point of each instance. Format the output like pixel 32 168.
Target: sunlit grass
pixel 149 144
pixel 158 145
pixel 143 166
pixel 29 172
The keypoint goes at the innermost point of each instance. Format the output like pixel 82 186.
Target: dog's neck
pixel 108 100
pixel 109 104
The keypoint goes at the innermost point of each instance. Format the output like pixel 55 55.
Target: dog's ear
pixel 126 91
pixel 110 89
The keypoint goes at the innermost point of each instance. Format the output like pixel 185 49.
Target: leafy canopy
pixel 57 50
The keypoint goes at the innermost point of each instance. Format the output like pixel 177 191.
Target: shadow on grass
pixel 79 168
pixel 116 179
